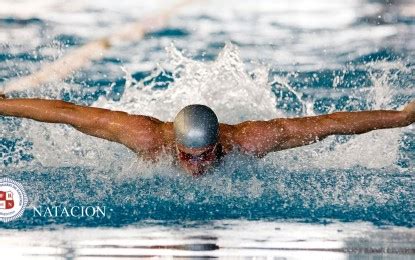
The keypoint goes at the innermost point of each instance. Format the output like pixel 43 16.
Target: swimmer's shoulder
pixel 167 134
pixel 227 137
pixel 144 134
pixel 236 138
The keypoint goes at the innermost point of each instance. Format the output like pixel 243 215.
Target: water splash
pixel 336 178
pixel 236 95
pixel 224 85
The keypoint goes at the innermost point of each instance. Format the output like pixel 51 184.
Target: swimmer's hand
pixel 410 110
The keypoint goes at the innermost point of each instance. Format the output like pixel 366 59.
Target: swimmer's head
pixel 196 126
pixel 196 130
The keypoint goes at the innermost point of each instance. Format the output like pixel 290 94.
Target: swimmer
pixel 196 139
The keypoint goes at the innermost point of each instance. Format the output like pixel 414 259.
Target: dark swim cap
pixel 196 126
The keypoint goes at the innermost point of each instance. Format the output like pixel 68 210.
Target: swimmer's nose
pixel 194 161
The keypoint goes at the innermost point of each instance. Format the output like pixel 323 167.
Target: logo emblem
pixel 13 200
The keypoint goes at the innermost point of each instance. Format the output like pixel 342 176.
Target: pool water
pixel 345 197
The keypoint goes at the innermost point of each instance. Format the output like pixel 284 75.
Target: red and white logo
pixel 13 199
pixel 6 200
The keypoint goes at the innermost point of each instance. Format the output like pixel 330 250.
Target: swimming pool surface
pixel 346 197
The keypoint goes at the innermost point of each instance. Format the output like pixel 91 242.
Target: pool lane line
pixel 82 56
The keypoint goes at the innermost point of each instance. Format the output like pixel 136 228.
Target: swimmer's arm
pixel 262 137
pixel 134 131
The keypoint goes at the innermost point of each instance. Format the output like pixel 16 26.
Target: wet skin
pixel 150 137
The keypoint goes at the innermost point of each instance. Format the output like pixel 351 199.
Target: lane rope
pixel 82 56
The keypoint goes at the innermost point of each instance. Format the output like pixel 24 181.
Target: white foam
pixel 235 94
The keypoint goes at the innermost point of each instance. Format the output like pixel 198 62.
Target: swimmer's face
pixel 196 160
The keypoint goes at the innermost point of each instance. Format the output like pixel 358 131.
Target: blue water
pixel 318 59
pixel 307 197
